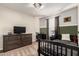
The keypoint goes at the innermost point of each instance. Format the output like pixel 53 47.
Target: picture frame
pixel 67 19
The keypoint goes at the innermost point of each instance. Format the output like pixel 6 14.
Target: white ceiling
pixel 48 9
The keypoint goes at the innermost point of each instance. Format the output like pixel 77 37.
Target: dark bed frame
pixel 47 48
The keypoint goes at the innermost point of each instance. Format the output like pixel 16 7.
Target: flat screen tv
pixel 19 30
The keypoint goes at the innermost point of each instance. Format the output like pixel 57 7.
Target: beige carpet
pixel 30 50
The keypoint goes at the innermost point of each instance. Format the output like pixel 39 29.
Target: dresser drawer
pixel 11 38
pixel 26 43
pixel 11 46
pixel 26 38
pixel 13 42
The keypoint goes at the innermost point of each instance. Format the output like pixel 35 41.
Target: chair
pixel 53 37
pixel 41 36
pixel 74 38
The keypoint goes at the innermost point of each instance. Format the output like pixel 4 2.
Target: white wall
pixel 78 18
pixel 78 24
pixel 74 20
pixel 71 12
pixel 10 18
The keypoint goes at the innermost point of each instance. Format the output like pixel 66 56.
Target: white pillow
pixel 66 37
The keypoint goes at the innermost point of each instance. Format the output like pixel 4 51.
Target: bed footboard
pixel 52 48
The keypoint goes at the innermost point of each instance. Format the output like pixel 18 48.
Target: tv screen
pixel 19 30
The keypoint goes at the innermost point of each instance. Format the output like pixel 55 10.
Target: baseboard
pixel 1 51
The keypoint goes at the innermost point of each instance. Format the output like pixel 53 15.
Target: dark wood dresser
pixel 11 42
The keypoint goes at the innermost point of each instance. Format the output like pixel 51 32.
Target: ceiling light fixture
pixel 37 5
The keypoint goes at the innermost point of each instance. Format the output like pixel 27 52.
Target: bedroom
pixel 14 15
